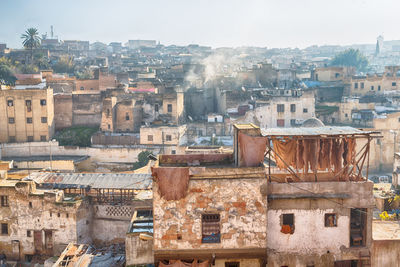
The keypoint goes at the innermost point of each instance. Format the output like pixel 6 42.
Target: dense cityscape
pixel 140 153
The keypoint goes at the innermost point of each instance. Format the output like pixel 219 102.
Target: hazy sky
pixel 265 23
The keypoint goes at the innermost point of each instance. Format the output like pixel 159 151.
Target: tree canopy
pixel 351 58
pixel 31 39
pixel 142 160
pixel 7 71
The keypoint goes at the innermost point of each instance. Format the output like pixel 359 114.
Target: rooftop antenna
pixel 51 30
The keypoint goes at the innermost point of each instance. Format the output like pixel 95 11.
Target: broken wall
pixel 242 209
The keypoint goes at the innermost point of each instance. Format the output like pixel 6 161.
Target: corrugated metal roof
pixel 93 180
pixel 313 131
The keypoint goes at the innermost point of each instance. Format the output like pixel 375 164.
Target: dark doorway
pixel 37 241
pixel 352 263
pixel 48 241
pixel 357 227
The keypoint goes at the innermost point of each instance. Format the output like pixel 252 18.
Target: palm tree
pixel 31 40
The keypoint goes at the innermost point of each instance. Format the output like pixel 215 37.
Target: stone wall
pixel 138 251
pixel 385 253
pixel 37 212
pixel 312 243
pixel 103 154
pixel 239 202
pixel 62 111
pixel 87 109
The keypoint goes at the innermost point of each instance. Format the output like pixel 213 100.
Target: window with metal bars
pixel 210 228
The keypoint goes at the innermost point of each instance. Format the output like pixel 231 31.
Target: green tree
pixel 41 61
pixel 7 70
pixel 351 58
pixel 85 74
pixel 64 65
pixel 31 40
pixel 142 160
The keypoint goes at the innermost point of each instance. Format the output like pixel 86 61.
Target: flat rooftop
pixel 75 159
pixel 386 230
pixel 314 131
pixel 136 181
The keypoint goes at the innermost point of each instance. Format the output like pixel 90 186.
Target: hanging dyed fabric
pixel 286 149
pixel 172 182
pixel 252 149
pixel 299 155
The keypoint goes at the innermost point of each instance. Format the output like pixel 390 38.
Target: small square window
pixel 28 233
pixel 4 201
pixel 210 225
pixel 10 103
pixel 149 138
pixel 173 152
pixel 287 221
pixel 43 119
pixel 169 107
pixel 168 137
pixel 11 139
pixel 292 122
pixel 82 88
pixel 11 120
pixel 394 83
pixel 58 215
pixel 305 110
pixel 30 138
pixel 330 220
pixel 43 138
pixel 43 102
pixel 280 123
pixel 29 120
pixel 4 228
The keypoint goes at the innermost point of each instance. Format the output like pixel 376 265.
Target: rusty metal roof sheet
pixel 314 131
pixel 93 180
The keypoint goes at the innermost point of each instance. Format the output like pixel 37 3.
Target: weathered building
pixel 162 135
pixel 309 206
pixel 37 219
pixel 101 81
pixel 138 242
pixel 288 108
pixel 27 115
pixel 38 222
pixel 86 108
pixel 374 84
pixel 205 217
pixel 330 74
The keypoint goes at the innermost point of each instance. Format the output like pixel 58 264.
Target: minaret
pixel 377 49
